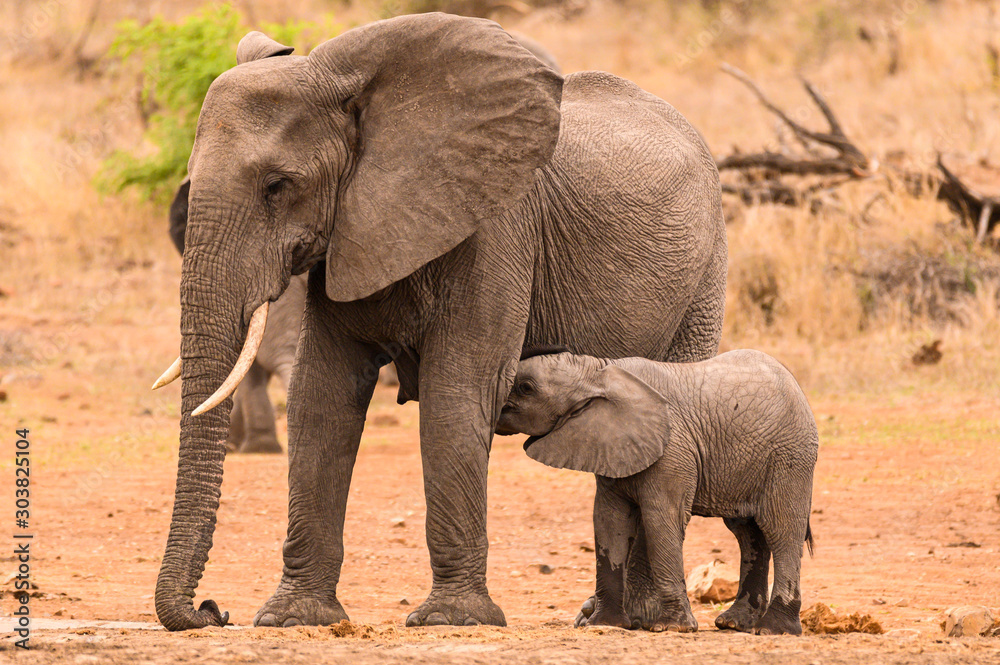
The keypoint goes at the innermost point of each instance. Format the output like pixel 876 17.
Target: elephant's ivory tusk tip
pixel 172 374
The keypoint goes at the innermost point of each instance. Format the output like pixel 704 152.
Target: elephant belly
pixel 629 217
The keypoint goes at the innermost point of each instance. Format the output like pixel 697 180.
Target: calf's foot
pixel 642 606
pixel 781 618
pixel 743 615
pixel 605 615
pixel 680 621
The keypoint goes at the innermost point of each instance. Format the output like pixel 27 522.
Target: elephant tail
pixel 809 538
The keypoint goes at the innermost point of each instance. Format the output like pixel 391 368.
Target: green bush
pixel 176 63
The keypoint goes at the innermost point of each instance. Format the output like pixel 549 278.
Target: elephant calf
pixel 730 437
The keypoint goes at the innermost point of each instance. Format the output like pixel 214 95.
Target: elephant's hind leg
pixel 785 536
pixel 751 599
pixel 700 330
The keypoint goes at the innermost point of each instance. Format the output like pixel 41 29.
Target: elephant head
pixel 380 151
pixel 586 414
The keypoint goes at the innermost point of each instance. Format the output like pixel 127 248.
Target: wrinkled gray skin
pixel 731 437
pixel 252 422
pixel 454 199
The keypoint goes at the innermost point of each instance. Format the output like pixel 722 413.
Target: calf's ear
pixel 620 431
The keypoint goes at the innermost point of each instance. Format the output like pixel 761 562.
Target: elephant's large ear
pixel 256 46
pixel 620 431
pixel 453 118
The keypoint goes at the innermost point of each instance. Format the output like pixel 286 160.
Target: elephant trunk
pixel 212 334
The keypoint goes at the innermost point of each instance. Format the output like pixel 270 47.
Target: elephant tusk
pixel 172 374
pixel 255 334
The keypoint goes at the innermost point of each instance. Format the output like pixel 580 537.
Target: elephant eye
pixel 275 187
pixel 526 389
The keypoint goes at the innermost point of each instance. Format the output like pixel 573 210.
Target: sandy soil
pixel 905 516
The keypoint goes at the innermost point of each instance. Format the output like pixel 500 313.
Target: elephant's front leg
pixel 459 406
pixel 642 599
pixel 327 403
pixel 615 522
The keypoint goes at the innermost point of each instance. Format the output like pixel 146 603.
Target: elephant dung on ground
pixel 453 199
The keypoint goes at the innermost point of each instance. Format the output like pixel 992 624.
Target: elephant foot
pixel 678 622
pixel 285 609
pixel 781 618
pixel 606 616
pixel 265 446
pixel 741 616
pixel 642 606
pixel 467 609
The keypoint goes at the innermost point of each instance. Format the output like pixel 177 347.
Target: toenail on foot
pixel 268 620
pixel 436 619
pixel 471 622
pixel 412 620
pixel 292 621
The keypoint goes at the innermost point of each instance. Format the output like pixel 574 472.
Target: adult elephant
pixel 451 211
pixel 252 421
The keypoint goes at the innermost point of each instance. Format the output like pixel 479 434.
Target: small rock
pixel 545 569
pixel 715 582
pixel 586 547
pixel 3 395
pixel 58 613
pixel 404 602
pixel 398 522
pixel 878 601
pixel 902 602
pixel 967 621
pixel 552 607
pixel 516 573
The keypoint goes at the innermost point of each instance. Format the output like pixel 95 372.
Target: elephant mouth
pixel 569 415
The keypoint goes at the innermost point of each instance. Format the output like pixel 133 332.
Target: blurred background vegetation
pixel 99 100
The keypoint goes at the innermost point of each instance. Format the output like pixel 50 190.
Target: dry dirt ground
pixel 906 511
pixel 905 515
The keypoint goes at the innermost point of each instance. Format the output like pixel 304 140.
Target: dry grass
pixel 828 293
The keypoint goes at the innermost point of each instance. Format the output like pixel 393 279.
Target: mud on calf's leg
pixel 751 599
pixel 615 525
pixel 785 539
pixel 782 616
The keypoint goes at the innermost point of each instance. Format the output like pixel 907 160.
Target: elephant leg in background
pixel 328 400
pixel 697 338
pixel 259 432
pixel 237 421
pixel 755 556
